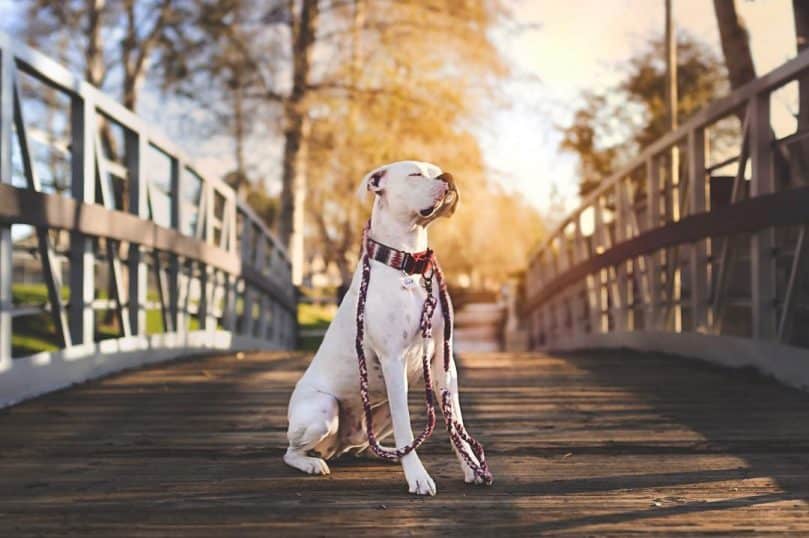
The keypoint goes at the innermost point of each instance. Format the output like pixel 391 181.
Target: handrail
pixel 37 64
pixel 18 206
pixel 657 250
pixel 217 286
pixel 719 109
pixel 786 208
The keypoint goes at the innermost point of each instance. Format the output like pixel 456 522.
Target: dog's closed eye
pixel 417 174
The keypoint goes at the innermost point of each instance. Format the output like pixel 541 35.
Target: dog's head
pixel 412 191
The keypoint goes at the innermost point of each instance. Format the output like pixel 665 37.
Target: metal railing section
pixel 687 239
pixel 133 208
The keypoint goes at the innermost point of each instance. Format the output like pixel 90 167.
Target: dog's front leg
pixel 394 370
pixel 449 381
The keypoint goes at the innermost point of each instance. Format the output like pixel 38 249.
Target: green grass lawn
pixel 313 317
pixel 35 333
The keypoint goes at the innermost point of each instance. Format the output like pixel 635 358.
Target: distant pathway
pixel 586 445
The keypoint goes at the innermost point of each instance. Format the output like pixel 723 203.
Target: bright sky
pixel 576 48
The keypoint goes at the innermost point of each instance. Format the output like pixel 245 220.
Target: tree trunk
pixel 304 27
pixel 735 43
pixel 94 66
pixel 238 137
pixel 800 9
pixel 130 91
pixel 353 214
pixel 739 61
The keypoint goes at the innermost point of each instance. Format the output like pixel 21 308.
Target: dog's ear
pixel 373 182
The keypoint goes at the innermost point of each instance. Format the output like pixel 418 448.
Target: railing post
pixel 621 309
pixel 205 227
pixel 562 261
pixel 203 305
pixel 82 257
pixel 229 281
pixel 265 314
pixel 136 147
pixel 671 291
pixel 762 244
pixel 594 307
pixel 263 263
pixel 652 221
pixel 177 317
pixel 697 251
pixel 276 333
pixel 248 259
pixel 580 293
pixel 6 245
pixel 598 242
pixel 229 303
pixel 553 317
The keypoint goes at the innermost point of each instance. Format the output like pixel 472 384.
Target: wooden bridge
pixel 596 444
pixel 695 251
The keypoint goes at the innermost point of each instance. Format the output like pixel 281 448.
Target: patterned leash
pixel 457 432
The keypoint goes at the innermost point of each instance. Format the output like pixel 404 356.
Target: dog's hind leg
pixel 383 427
pixel 313 418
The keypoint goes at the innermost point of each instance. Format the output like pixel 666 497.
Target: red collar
pixel 411 263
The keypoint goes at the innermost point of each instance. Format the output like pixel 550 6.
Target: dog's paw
pixel 307 464
pixel 422 485
pixel 317 466
pixel 419 481
pixel 470 477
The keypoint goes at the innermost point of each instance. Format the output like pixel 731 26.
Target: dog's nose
pixel 446 176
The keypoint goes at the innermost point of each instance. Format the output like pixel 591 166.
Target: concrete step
pixel 476 346
pixel 478 327
pixel 479 314
pixel 484 332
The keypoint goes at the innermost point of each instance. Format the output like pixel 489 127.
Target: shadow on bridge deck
pixel 587 444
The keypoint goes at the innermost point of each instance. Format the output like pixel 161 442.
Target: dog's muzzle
pixel 451 197
pixel 446 206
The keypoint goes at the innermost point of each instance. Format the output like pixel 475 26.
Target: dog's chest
pixel 393 319
pixel 414 367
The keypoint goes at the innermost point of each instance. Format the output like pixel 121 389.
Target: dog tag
pixel 408 282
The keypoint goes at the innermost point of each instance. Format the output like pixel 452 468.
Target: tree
pixel 131 46
pixel 345 85
pixel 362 78
pixel 244 47
pixel 389 95
pixel 735 41
pixel 303 28
pixel 582 137
pixel 221 67
pixel 610 128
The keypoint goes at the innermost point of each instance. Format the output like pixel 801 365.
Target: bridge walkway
pixel 599 444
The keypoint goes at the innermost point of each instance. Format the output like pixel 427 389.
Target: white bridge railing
pixel 697 247
pixel 115 250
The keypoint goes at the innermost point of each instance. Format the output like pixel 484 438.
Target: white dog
pixel 325 410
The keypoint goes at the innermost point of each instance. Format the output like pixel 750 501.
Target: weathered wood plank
pixel 598 444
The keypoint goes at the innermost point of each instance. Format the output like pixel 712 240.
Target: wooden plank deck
pixel 581 445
